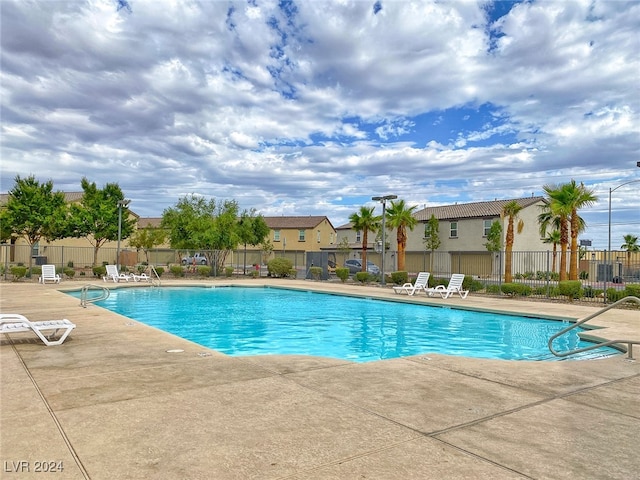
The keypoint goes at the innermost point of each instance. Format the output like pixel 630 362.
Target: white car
pixel 355 266
pixel 199 258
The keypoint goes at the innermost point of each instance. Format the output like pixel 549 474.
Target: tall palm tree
pixel 400 217
pixel 554 238
pixel 510 210
pixel 365 221
pixel 630 245
pixel 564 201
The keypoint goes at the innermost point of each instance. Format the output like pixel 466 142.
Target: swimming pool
pixel 259 321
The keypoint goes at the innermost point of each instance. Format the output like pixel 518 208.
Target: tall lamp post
pixel 610 262
pixel 121 203
pixel 383 200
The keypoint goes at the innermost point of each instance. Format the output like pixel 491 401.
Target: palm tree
pixel 365 221
pixel 510 210
pixel 630 245
pixel 563 204
pixel 554 238
pixel 400 217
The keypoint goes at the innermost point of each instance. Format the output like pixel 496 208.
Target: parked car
pixel 355 266
pixel 199 258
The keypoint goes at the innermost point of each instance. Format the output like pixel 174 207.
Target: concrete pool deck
pixel 113 403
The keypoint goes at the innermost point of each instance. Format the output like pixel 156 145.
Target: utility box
pixel 605 272
pixel 318 259
pixel 40 259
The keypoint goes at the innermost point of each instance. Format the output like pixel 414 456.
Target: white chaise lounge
pixel 421 283
pixel 49 274
pixel 113 274
pixel 16 323
pixel 455 286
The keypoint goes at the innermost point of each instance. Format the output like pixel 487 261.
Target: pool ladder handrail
pixel 608 343
pixel 84 301
pixel 154 281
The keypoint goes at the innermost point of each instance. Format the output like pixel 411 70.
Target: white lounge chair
pixel 15 323
pixel 113 274
pixel 421 283
pixel 455 286
pixel 140 277
pixel 49 274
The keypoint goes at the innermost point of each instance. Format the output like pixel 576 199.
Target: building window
pixel 486 228
pixel 331 239
pixel 358 237
pixel 453 229
pixel 35 249
pixel 301 234
pixel 318 236
pixel 276 235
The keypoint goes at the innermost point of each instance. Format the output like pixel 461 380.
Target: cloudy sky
pixel 311 107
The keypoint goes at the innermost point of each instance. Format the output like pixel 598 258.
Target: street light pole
pixel 610 262
pixel 121 203
pixel 383 200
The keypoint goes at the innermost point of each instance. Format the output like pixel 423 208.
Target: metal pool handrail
pixel 154 281
pixel 84 301
pixel 608 343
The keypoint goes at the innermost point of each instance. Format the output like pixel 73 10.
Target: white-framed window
pixel 453 229
pixel 486 228
pixel 276 235
pixel 358 236
pixel 35 249
pixel 331 239
pixel 301 235
pixel 318 236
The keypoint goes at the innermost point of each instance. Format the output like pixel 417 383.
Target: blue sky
pixel 312 108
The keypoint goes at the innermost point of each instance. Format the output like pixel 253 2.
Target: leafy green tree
pixel 252 230
pixel 147 238
pixel 494 237
pixel 195 223
pixel 365 221
pixel 432 238
pixel 344 248
pixel 96 216
pixel 34 212
pixel 510 210
pixel 400 216
pixel 630 245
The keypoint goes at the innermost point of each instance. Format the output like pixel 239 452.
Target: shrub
pixel 342 273
pixel 584 275
pixel 476 286
pixel 316 272
pixel 69 272
pixel 159 271
pixel 293 273
pixel 228 271
pixel 203 271
pixel 177 271
pixel 570 288
pixel 18 272
pixel 493 289
pixel 515 289
pixel 614 295
pixel 255 273
pixel 70 264
pixel 363 277
pixel 591 292
pixel 632 290
pixel 36 271
pixel 99 271
pixel 401 277
pixel 279 267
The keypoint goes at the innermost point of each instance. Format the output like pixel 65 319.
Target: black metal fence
pixel 598 271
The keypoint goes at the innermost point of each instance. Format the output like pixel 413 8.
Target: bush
pixel 203 271
pixel 177 271
pixel 159 271
pixel 279 267
pixel 493 289
pixel 515 289
pixel 228 271
pixel 70 264
pixel 69 272
pixel 476 286
pixel 99 271
pixel 584 275
pixel 570 288
pixel 401 277
pixel 614 295
pixel 342 273
pixel 632 290
pixel 363 277
pixel 18 272
pixel 316 272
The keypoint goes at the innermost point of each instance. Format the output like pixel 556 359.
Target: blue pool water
pixel 257 321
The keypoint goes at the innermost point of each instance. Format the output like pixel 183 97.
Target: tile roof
pixel 472 210
pixel 456 211
pixel 300 222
